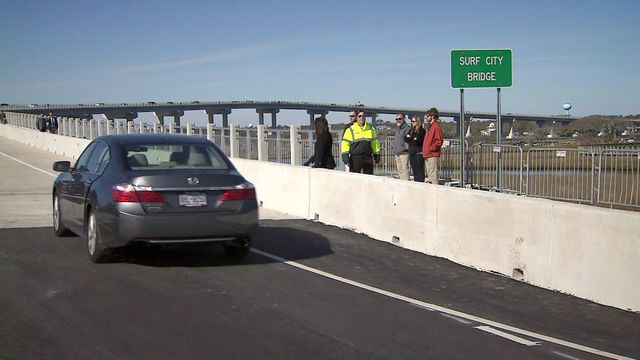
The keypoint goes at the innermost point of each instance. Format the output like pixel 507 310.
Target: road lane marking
pixel 505 335
pixel 445 310
pixel 422 307
pixel 29 165
pixel 456 318
pixel 565 355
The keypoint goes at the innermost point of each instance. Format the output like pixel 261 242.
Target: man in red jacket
pixel 431 145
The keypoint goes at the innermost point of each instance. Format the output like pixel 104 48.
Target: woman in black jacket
pixel 415 137
pixel 323 157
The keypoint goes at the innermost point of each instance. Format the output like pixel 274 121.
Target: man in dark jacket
pixel 41 123
pixel 401 147
pixel 53 124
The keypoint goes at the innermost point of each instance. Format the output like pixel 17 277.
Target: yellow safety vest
pixel 360 140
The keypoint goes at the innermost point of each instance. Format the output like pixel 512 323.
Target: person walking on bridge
pixel 432 144
pixel 360 146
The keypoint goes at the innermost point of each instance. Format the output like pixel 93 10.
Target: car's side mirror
pixel 61 166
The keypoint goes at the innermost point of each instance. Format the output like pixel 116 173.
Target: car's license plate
pixel 193 199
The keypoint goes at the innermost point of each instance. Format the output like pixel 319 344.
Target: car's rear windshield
pixel 173 156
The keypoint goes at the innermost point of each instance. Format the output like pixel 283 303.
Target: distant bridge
pixel 176 110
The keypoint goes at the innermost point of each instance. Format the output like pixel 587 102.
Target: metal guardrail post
pixel 223 142
pixel 210 132
pixel 247 139
pixel 91 128
pixel 189 129
pixel 526 175
pixel 462 159
pixel 278 146
pixel 295 142
pixel 521 179
pixel 233 141
pixel 262 142
pixel 595 194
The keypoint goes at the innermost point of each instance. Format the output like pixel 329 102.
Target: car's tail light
pixel 131 193
pixel 238 194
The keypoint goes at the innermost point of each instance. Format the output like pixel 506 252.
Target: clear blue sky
pixel 376 52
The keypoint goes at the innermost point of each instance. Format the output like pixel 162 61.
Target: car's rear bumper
pixel 126 228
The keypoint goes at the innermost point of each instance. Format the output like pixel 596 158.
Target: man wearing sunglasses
pixel 401 147
pixel 353 114
pixel 360 146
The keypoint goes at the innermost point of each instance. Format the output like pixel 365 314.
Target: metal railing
pixel 619 177
pixel 496 167
pixel 606 175
pixel 561 174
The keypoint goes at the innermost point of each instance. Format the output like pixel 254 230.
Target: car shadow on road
pixel 282 241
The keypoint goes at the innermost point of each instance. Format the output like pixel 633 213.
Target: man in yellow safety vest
pixel 360 146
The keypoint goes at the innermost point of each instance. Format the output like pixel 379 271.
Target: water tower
pixel 566 107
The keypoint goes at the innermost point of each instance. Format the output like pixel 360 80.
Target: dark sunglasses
pixel 352 116
pixel 399 119
pixel 360 115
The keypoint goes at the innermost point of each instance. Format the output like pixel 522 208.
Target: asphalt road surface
pixel 307 291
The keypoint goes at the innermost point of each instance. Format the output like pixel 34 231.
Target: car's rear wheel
pixel 97 252
pixel 58 228
pixel 238 248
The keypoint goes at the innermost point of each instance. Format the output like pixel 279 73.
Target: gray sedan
pixel 155 188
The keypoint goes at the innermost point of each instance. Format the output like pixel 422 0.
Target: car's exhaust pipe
pixel 243 242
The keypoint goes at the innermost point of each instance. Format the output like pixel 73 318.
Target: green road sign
pixel 481 68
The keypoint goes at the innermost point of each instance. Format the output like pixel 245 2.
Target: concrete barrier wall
pixel 589 252
pixel 279 187
pixel 62 145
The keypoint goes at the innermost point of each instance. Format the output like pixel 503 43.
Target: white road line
pixel 422 307
pixel 444 309
pixel 505 335
pixel 29 165
pixel 456 318
pixel 565 355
